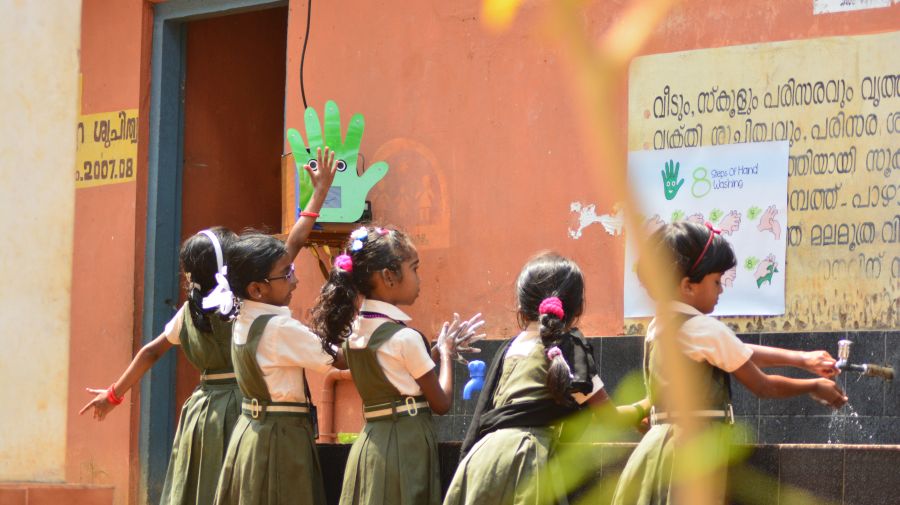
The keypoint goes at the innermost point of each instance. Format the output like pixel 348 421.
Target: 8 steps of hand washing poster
pixel 742 190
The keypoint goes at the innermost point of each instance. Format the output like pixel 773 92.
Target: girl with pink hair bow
pixel 395 459
pixel 536 382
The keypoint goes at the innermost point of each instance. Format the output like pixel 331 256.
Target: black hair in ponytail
pixel 198 261
pixel 545 276
pixel 336 307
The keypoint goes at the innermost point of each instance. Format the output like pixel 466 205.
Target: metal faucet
pixel 843 363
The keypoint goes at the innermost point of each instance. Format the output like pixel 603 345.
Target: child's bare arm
pixel 438 390
pixel 322 178
pixel 818 362
pixel 762 385
pixel 143 361
pixel 618 415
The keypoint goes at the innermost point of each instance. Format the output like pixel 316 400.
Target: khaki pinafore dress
pixel 648 476
pixel 395 459
pixel 512 466
pixel 272 457
pixel 207 418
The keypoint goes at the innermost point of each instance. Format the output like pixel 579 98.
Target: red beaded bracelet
pixel 111 395
pixel 308 214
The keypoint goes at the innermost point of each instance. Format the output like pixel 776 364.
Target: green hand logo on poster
pixel 765 269
pixel 671 184
pixel 346 199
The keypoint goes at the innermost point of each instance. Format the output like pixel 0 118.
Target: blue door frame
pixel 161 290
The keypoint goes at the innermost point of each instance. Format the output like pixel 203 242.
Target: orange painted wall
pixel 104 263
pixel 496 117
pixel 491 120
pixel 481 126
pixel 233 123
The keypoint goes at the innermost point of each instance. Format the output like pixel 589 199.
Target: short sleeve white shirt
pixel 285 348
pixel 172 331
pixel 404 357
pixel 704 338
pixel 524 344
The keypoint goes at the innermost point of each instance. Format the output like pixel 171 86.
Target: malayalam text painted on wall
pixel 106 148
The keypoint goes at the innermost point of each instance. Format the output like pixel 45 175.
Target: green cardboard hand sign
pixel 346 199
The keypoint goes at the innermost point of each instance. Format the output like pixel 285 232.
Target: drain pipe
pixel 327 433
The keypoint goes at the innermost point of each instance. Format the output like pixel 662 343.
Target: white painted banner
pixel 742 190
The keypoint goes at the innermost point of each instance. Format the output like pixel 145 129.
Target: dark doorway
pixel 215 144
pixel 233 130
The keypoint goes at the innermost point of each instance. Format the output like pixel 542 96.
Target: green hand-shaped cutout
pixel 671 184
pixel 303 186
pixel 347 197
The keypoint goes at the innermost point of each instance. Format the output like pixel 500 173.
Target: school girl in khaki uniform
pixel 395 459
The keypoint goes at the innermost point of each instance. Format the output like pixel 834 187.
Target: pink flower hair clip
pixel 552 305
pixel 344 262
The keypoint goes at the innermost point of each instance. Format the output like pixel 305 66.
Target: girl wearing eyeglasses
pixel 272 457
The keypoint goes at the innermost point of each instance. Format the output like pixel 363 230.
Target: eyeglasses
pixel 288 276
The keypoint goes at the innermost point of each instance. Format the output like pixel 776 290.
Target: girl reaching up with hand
pixel 271 458
pixel 395 459
pixel 202 327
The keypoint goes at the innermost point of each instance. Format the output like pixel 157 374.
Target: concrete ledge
pixel 40 493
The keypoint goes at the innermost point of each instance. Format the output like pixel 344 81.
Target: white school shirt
pixel 286 347
pixel 704 338
pixel 524 344
pixel 404 357
pixel 172 331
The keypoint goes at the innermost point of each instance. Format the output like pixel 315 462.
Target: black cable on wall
pixel 303 53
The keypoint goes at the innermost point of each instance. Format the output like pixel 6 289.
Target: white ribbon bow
pixel 221 295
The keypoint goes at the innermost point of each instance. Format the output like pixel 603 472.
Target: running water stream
pixel 846 420
pixel 842 421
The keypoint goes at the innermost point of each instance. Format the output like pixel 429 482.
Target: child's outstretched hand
pixel 100 403
pixel 820 363
pixel 468 334
pixel 321 171
pixel 827 392
pixel 458 336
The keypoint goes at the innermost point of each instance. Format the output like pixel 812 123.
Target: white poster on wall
pixel 742 190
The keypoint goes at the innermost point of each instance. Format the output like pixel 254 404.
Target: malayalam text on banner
pixel 836 102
